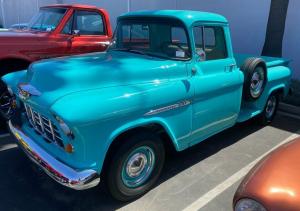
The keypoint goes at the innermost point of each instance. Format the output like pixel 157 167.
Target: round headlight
pixel 248 205
pixel 65 128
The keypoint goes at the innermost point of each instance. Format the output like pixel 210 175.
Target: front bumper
pixel 61 173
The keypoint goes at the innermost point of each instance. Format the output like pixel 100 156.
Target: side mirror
pixel 76 32
pixel 201 55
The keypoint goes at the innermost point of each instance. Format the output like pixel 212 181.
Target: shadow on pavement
pixel 25 187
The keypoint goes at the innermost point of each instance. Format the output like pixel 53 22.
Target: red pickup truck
pixel 56 30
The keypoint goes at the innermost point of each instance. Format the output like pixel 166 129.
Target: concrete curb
pixel 289 108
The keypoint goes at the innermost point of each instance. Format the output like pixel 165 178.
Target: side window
pixel 89 23
pixel 214 42
pixel 68 27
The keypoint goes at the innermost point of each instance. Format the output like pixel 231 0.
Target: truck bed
pixel 270 61
pixel 278 78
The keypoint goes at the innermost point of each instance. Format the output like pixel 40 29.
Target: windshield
pixel 160 37
pixel 47 19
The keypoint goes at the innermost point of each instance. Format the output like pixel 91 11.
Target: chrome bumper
pixel 61 173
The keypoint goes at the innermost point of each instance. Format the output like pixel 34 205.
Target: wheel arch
pixel 159 127
pixel 279 89
pixel 20 62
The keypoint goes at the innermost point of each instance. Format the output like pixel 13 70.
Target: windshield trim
pixel 140 19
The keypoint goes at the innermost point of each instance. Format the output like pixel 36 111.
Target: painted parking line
pixel 289 115
pixel 4 135
pixel 213 193
pixel 7 147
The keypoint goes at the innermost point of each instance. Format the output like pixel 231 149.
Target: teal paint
pixel 102 95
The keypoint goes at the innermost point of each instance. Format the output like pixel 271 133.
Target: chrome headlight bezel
pixel 249 205
pixel 64 127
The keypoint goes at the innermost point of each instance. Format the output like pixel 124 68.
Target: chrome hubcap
pixel 257 82
pixel 138 167
pixel 271 106
pixel 7 104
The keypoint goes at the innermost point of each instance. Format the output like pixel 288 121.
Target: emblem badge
pixel 27 90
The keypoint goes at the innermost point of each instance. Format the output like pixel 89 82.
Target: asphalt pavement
pixel 203 177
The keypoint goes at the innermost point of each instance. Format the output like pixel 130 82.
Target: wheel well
pixel 279 92
pixel 155 128
pixel 12 65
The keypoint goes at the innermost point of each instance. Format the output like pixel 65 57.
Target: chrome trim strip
pixel 61 173
pixel 168 108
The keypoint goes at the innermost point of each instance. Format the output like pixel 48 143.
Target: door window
pixel 89 23
pixel 211 39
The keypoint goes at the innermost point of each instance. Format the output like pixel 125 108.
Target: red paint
pixel 31 46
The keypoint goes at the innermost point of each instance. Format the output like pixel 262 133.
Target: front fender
pixel 144 122
pixel 97 117
pixel 12 79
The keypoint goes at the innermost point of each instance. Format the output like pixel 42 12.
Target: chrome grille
pixel 43 126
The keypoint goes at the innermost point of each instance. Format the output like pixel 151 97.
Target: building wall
pixel 248 19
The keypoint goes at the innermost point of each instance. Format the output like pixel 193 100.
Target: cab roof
pixel 188 17
pixel 80 6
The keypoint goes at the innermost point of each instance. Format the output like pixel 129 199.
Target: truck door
pixel 216 80
pixel 87 32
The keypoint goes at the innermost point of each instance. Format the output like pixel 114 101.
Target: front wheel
pixel 270 110
pixel 136 166
pixel 5 106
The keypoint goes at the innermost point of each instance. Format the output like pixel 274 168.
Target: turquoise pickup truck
pixel 169 79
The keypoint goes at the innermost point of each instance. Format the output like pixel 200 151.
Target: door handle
pixel 105 43
pixel 230 68
pixel 194 71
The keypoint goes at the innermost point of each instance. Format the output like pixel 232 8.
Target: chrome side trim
pixel 168 108
pixel 61 173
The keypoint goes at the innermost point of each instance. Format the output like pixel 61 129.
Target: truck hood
pixel 20 34
pixel 59 77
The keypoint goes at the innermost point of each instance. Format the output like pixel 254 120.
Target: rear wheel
pixel 136 166
pixel 270 110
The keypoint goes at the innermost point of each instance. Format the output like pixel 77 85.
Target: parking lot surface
pixel 203 177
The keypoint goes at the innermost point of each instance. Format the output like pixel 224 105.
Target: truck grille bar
pixel 43 126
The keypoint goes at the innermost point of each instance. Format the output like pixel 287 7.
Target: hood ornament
pixel 26 91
